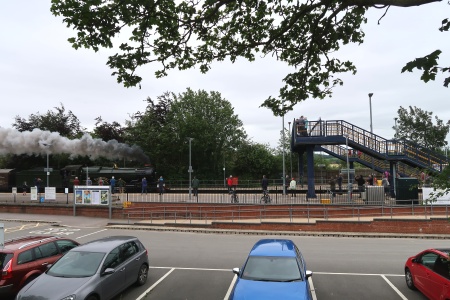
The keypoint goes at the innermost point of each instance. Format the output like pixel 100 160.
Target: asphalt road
pixel 198 266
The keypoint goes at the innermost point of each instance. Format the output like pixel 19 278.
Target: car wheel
pixel 142 275
pixel 409 279
pixel 91 297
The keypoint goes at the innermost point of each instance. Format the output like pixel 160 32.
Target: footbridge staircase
pixel 341 139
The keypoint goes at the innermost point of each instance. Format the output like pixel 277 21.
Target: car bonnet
pixel 56 287
pixel 261 290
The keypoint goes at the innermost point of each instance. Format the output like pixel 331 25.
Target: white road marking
pixel 193 269
pixel 90 234
pixel 359 274
pixel 227 295
pixel 394 288
pixel 154 285
pixel 311 284
pixel 311 287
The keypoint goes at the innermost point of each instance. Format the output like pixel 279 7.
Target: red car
pixel 429 272
pixel 25 258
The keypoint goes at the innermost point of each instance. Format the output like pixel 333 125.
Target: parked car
pixel 428 272
pixel 99 269
pixel 23 259
pixel 275 269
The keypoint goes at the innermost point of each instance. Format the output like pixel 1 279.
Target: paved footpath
pixel 165 225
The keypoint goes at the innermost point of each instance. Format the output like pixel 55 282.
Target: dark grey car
pixel 99 269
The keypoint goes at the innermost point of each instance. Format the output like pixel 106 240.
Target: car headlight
pixel 71 297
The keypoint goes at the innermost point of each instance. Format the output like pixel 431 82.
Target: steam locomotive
pixel 64 177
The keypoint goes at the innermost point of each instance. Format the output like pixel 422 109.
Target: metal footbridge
pixel 341 139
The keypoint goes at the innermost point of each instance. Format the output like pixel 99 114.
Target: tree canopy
pixel 416 125
pixel 164 129
pixel 186 34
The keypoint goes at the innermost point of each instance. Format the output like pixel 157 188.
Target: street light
pixel 190 169
pixel 47 169
pixel 371 128
pixel 290 152
pixel 370 104
pixel 396 129
pixel 284 145
pixel 349 185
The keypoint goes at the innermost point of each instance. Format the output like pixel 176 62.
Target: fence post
pixel 307 210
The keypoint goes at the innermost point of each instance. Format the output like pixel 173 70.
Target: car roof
pixel 274 247
pixel 444 251
pixel 25 241
pixel 104 244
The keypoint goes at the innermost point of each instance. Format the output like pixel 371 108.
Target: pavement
pixel 169 225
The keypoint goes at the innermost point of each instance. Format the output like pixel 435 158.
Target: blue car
pixel 275 269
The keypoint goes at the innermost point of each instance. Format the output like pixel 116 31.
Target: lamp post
pixel 190 169
pixel 349 185
pixel 290 152
pixel 371 128
pixel 224 177
pixel 396 129
pixel 47 169
pixel 370 104
pixel 283 146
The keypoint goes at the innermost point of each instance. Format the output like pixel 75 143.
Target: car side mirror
pixel 108 271
pixel 308 273
pixel 236 271
pixel 414 260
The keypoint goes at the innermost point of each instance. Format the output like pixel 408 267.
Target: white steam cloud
pixel 38 142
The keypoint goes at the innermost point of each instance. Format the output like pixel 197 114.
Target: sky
pixel 39 70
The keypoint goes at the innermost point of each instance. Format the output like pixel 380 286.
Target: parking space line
pixel 192 269
pixel 394 288
pixel 227 295
pixel 154 285
pixel 360 274
pixel 311 287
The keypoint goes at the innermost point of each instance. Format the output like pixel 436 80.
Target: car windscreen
pixel 269 268
pixel 77 264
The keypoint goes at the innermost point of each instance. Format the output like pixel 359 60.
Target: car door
pixel 46 254
pixel 424 276
pixel 440 277
pixel 132 261
pixel 112 284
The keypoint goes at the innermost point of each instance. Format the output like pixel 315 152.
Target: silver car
pixel 99 269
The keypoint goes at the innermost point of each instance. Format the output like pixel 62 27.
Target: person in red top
pixel 76 181
pixel 230 183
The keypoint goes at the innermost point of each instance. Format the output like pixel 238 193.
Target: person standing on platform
pixel 264 183
pixel 161 185
pixel 144 185
pixel 195 185
pixel 293 187
pixel 112 183
pixel 339 182
pixel 230 183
